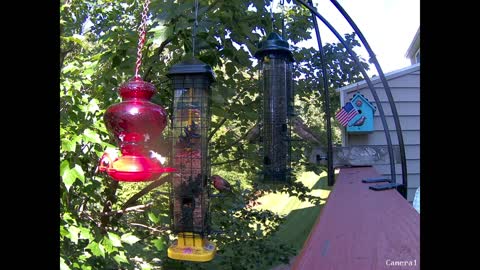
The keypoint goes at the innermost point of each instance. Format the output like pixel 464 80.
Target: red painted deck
pixel 360 229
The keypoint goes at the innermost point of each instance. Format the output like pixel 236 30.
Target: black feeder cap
pixel 274 44
pixel 191 66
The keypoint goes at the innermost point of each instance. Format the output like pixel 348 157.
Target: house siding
pixel 405 89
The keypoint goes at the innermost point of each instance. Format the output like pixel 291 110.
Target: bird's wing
pixel 227 184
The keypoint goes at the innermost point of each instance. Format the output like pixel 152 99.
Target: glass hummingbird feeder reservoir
pixel 189 198
pixel 276 61
pixel 136 124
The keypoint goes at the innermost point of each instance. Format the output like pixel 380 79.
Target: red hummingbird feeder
pixel 136 124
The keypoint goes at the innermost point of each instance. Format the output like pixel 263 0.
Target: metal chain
pixel 283 18
pixel 142 34
pixel 195 24
pixel 271 13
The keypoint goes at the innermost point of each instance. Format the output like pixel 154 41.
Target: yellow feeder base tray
pixel 191 247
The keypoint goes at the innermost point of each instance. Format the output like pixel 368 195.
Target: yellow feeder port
pixel 192 247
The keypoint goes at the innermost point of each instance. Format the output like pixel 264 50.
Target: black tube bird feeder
pixel 189 193
pixel 276 61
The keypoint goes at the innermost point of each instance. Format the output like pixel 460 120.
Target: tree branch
pixel 129 209
pixel 132 200
pixel 227 162
pixel 220 124
pixel 149 228
pixel 235 142
pixel 63 55
pixel 216 129
pixel 305 132
pixel 211 6
pixel 157 56
pixel 107 206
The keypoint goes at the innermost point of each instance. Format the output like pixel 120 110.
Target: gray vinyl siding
pixel 405 89
pixel 377 137
pixel 407 122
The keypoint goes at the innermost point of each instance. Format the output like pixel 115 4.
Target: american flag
pixel 346 114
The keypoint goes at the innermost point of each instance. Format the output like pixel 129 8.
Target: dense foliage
pixel 110 225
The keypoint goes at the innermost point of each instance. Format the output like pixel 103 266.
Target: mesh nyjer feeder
pixel 136 124
pixel 276 61
pixel 191 81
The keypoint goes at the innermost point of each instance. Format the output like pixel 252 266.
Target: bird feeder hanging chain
pixel 271 14
pixel 283 18
pixel 195 24
pixel 141 40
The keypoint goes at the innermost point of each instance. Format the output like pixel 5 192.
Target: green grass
pixel 300 216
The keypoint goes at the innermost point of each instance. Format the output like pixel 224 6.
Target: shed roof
pixel 391 75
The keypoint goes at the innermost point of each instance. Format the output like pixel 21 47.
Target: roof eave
pixel 391 75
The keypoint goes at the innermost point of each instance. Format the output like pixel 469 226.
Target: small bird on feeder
pixel 221 184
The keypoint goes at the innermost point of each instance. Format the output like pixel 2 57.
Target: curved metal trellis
pixel 330 172
pixel 398 127
pixel 404 185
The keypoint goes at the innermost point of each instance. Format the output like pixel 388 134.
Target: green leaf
pixel 84 257
pixel 68 218
pixel 217 98
pixel 68 145
pixel 161 33
pixel 63 265
pixel 70 175
pixel 88 72
pixel 159 244
pixel 78 172
pixel 107 244
pixel 68 178
pixel 152 217
pixel 63 231
pixel 116 242
pixel 80 40
pixel 121 258
pixel 96 249
pixel 220 112
pixel 116 61
pixel 77 86
pixel 230 69
pixel 74 231
pixel 85 233
pixel 129 238
pixel 64 165
pixel 69 68
pixel 93 106
pixel 91 136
